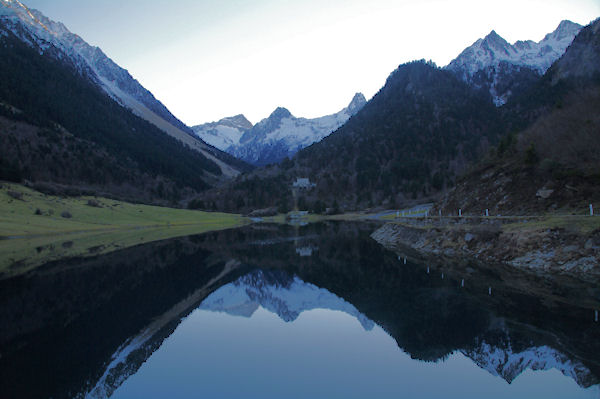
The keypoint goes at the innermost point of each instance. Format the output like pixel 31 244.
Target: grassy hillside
pixel 36 228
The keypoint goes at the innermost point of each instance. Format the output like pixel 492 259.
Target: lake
pixel 319 311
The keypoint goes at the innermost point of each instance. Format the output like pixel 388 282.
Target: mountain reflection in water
pixel 349 312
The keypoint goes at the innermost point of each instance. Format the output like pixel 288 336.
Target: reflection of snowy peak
pixel 282 134
pixel 492 62
pixel 278 293
pixel 224 133
pixel 507 364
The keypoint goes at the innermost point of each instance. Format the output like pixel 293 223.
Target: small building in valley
pixel 303 182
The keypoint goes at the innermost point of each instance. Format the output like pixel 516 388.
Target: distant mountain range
pixel 428 125
pixel 491 64
pixel 279 136
pixel 75 119
pixel 501 68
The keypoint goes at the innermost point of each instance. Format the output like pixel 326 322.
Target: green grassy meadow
pixel 36 228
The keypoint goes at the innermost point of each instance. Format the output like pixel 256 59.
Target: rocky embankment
pixel 538 249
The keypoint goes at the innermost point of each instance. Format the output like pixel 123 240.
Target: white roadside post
pixel 460 213
pixel 487 213
pixel 591 210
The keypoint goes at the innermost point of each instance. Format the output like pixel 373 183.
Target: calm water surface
pixel 278 312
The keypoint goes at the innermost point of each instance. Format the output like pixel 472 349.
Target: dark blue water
pixel 271 312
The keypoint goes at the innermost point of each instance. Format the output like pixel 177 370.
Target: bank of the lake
pixel 553 244
pixel 36 228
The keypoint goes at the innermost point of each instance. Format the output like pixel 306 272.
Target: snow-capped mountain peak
pixel 493 49
pixel 493 63
pixel 280 113
pixel 282 134
pixel 224 133
pixel 495 41
pixel 238 121
pixel 357 103
pixel 276 137
pixel 565 31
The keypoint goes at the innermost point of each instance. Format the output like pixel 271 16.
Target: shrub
pixel 92 202
pixel 15 194
pixel 196 204
pixel 66 214
pixel 531 157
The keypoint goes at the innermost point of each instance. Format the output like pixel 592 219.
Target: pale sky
pixel 206 60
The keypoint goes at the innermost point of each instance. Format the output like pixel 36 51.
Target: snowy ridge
pixel 48 33
pixel 493 49
pixel 225 133
pixel 280 294
pixel 282 134
pixel 507 364
pixel 497 59
pixel 54 39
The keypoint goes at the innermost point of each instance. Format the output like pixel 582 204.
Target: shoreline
pixel 549 245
